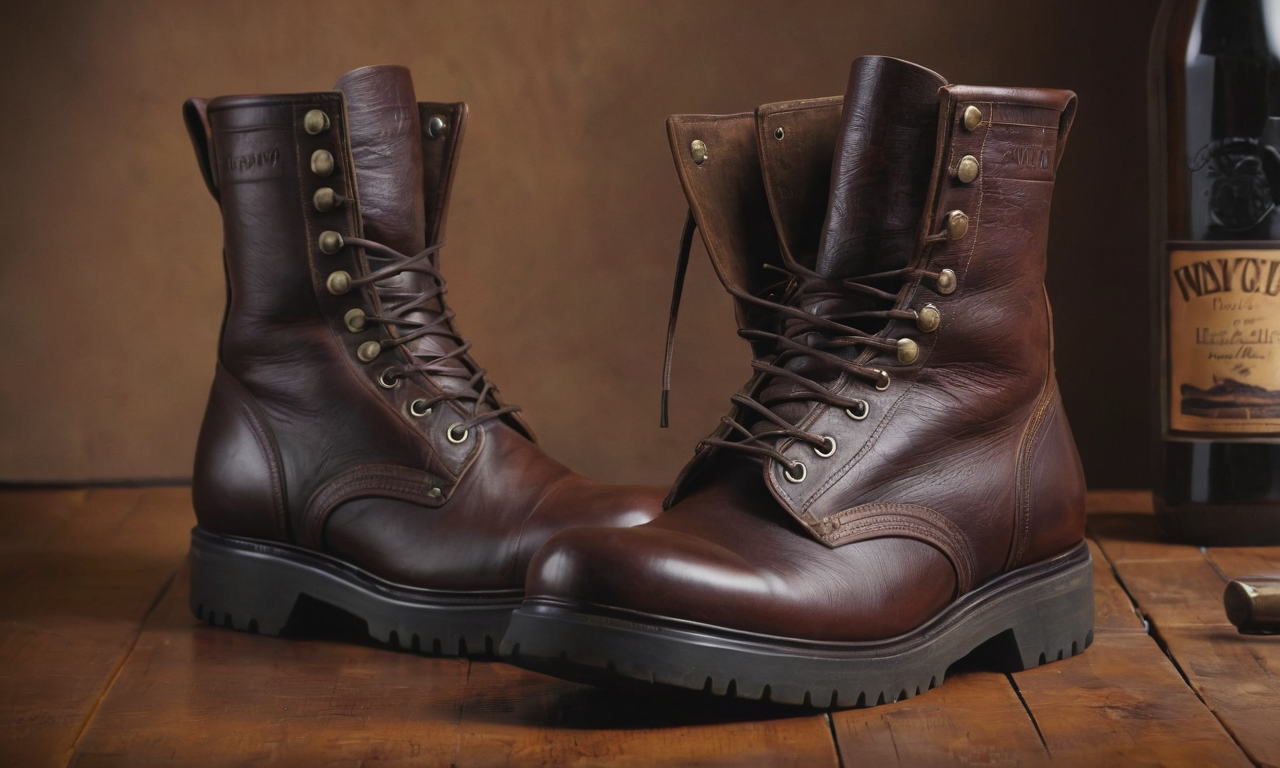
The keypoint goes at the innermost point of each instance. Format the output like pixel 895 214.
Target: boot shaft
pixel 309 388
pixel 949 186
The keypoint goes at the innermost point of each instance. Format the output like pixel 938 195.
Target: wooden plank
pixel 78 572
pixel 197 695
pixel 1239 679
pixel 1179 588
pixel 974 718
pixel 1121 702
pixel 512 717
pixel 191 694
pixel 1113 608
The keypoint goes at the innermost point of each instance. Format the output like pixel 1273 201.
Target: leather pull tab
pixel 197 120
pixel 1064 127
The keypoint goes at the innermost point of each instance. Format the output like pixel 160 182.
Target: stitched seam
pixel 930 527
pixel 1022 530
pixel 267 446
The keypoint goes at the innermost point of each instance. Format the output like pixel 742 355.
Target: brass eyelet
pixel 325 199
pixel 908 351
pixel 957 224
pixel 792 478
pixel 829 440
pixel 779 134
pixel 338 282
pixel 419 408
pixel 883 384
pixel 946 282
pixel 330 242
pixel 369 351
pixel 455 440
pixel 354 320
pixel 866 411
pixel 928 318
pixel 698 150
pixel 972 118
pixel 322 163
pixel 388 379
pixel 436 127
pixel 315 121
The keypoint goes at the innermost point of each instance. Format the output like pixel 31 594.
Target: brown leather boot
pixel 897 484
pixel 352 451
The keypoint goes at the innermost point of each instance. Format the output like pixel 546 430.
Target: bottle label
pixel 1224 339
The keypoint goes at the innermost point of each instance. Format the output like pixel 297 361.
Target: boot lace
pixel 815 315
pixel 477 389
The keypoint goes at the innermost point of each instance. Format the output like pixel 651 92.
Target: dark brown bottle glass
pixel 1215 190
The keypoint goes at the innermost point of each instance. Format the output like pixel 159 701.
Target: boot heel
pixel 239 589
pixel 1054 622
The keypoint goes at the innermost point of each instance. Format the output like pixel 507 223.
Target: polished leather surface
pixel 301 443
pixel 964 467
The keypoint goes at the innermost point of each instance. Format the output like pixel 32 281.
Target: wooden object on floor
pixel 102 665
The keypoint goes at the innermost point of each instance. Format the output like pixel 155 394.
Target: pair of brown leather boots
pixel 895 486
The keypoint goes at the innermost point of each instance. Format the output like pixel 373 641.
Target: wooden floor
pixel 102 664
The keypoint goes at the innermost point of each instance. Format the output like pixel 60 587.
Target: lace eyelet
pixel 792 478
pixel 455 440
pixel 828 440
pixel 388 379
pixel 865 412
pixel 884 382
pixel 419 408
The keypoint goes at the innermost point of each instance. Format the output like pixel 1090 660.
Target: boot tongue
pixel 386 148
pixel 879 180
pixel 880 176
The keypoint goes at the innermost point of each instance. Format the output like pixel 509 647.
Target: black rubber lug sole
pixel 256 586
pixel 1023 619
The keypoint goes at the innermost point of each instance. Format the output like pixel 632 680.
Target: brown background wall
pixel 567 211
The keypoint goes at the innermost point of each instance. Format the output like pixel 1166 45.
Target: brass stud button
pixel 928 318
pixel 325 199
pixel 908 351
pixel 946 282
pixel 699 151
pixel 967 170
pixel 436 127
pixel 354 319
pixel 779 134
pixel 322 162
pixel 331 242
pixel 315 122
pixel 957 224
pixel 338 283
pixel 972 118
pixel 368 351
pixel 434 492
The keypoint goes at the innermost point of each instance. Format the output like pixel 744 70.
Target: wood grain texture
pixel 197 695
pixel 974 718
pixel 1122 703
pixel 78 572
pixel 1179 589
